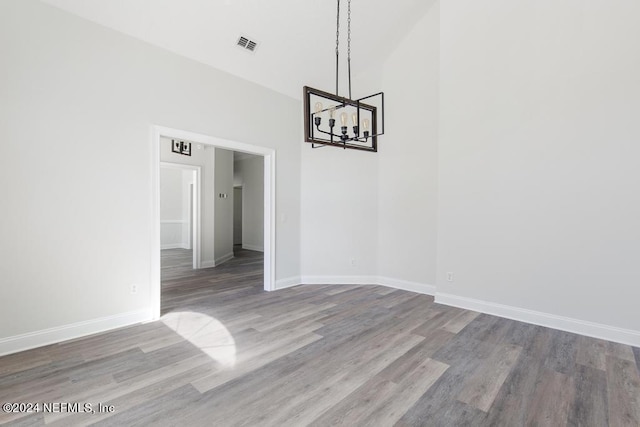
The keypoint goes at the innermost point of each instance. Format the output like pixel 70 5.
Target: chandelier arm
pixel 327 133
pixel 353 138
pixel 337 47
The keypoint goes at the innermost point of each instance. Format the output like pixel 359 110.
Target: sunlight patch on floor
pixel 206 333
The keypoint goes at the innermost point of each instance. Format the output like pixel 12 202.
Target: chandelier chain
pixel 349 44
pixel 349 32
pixel 337 45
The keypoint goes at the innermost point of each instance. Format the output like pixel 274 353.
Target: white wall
pixel 224 206
pixel 174 208
pixel 538 157
pixel 371 218
pixel 536 166
pixel 188 185
pixel 170 194
pixel 407 181
pixel 77 104
pixel 340 211
pixel 249 173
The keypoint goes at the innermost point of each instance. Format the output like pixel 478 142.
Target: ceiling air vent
pixel 247 44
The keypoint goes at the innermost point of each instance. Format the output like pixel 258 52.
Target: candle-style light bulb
pixel 365 128
pixel 318 119
pixel 354 119
pixel 343 119
pixel 332 112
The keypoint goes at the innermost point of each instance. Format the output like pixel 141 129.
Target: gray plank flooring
pixel 226 353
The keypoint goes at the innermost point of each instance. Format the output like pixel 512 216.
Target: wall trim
pixel 421 288
pixel 179 245
pixel 223 258
pixel 338 280
pixel 207 264
pixel 58 334
pixel 288 282
pixel 582 327
pixel 252 247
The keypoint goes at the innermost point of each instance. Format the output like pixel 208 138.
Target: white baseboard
pixel 252 247
pixel 405 285
pixel 287 283
pixel 421 288
pixel 223 258
pixel 58 334
pixel 582 327
pixel 339 280
pixel 207 264
pixel 174 246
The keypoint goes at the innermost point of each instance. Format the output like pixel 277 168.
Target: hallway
pixel 184 287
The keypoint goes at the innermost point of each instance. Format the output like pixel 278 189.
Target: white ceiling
pixel 296 37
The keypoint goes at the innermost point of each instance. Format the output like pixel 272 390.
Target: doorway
pixel 180 213
pixel 268 156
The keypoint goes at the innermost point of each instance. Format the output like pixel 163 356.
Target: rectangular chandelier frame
pixel 319 134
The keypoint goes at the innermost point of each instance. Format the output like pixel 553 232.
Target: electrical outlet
pixel 134 289
pixel 449 276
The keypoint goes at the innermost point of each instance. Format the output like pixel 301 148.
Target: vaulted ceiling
pixel 296 38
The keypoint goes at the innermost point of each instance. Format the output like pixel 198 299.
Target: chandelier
pixel 361 120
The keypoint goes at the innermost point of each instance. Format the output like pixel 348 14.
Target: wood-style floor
pixel 228 353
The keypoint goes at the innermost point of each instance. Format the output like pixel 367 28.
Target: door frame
pixel 269 156
pixel 195 208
